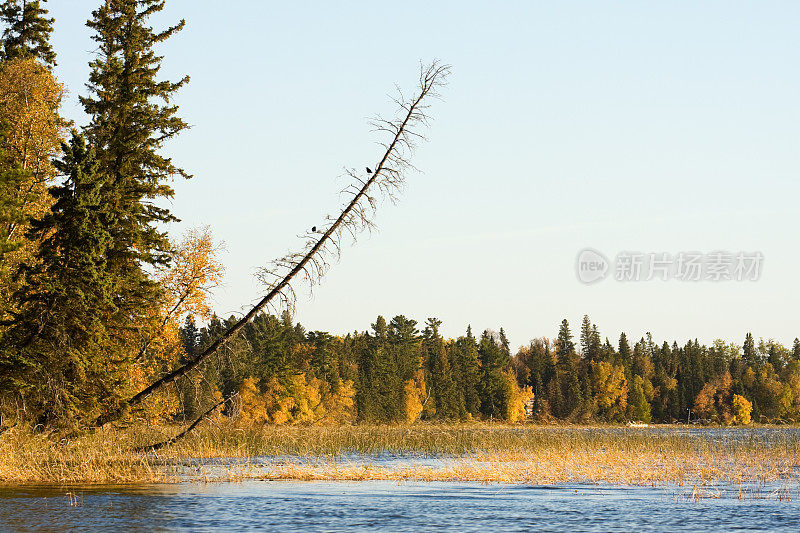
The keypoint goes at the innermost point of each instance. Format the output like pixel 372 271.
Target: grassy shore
pixel 513 454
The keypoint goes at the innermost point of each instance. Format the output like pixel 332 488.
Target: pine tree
pixel 567 368
pixel 439 370
pixel 404 351
pixel 369 400
pixel 132 116
pixel 469 371
pixel 323 364
pixel 494 358
pixel 27 32
pixel 190 337
pixel 774 356
pixel 542 371
pixel 625 357
pixel 749 353
pixel 404 340
pixel 796 350
pixel 60 340
pixel 586 338
pixel 564 344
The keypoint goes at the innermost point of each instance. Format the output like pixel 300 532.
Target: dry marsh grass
pixel 481 453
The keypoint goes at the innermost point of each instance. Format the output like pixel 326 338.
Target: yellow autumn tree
pixel 340 404
pixel 611 390
pixel 518 399
pixel 30 102
pixel 186 283
pixel 252 407
pixel 299 399
pixel 413 396
pixel 741 409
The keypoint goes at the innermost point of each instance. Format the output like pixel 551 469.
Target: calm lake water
pixel 407 506
pixel 379 505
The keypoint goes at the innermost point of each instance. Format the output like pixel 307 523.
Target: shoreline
pixel 537 454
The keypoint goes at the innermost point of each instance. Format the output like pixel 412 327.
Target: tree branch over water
pixel 323 246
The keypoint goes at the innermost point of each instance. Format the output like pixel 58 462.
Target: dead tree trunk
pixel 355 216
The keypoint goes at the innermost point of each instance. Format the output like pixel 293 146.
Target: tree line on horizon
pixel 396 373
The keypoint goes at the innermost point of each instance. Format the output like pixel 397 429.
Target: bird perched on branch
pixel 369 171
pixel 314 229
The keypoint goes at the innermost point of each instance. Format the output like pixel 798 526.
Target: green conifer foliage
pixel 27 31
pixel 132 116
pixel 60 358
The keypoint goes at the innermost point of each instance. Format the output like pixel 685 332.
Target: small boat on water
pixel 637 425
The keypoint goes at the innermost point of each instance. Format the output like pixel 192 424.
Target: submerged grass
pixel 747 459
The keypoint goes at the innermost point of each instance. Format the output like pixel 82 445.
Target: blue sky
pixel 655 127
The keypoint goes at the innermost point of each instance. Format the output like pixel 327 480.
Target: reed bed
pixel 224 451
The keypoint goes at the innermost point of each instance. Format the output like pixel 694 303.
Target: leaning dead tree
pixel 323 245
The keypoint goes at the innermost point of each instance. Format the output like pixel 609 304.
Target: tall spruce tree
pixel 586 338
pixel 469 373
pixel 59 360
pixel 440 371
pixel 27 31
pixel 564 344
pixel 132 116
pixel 494 359
pixel 749 352
pixel 567 367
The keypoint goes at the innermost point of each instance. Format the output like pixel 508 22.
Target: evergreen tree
pixel 586 338
pixel 132 116
pixel 796 350
pixel 564 344
pixel 774 356
pixel 190 337
pixel 595 344
pixel 749 353
pixel 324 364
pixel 494 358
pixel 468 373
pixel 60 341
pixel 624 353
pixel 571 398
pixel 542 371
pixel 440 372
pixel 371 391
pixel 27 32
pixel 404 339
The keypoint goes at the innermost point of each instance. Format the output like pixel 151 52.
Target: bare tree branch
pixel 323 246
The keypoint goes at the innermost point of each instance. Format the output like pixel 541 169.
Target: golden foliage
pixel 519 398
pixel 30 99
pixel 298 399
pixel 611 389
pixel 741 409
pixel 413 393
pixel 194 272
pixel 715 401
pixel 252 407
pixel 156 341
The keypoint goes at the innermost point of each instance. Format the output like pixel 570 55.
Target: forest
pixel 99 304
pixel 397 372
